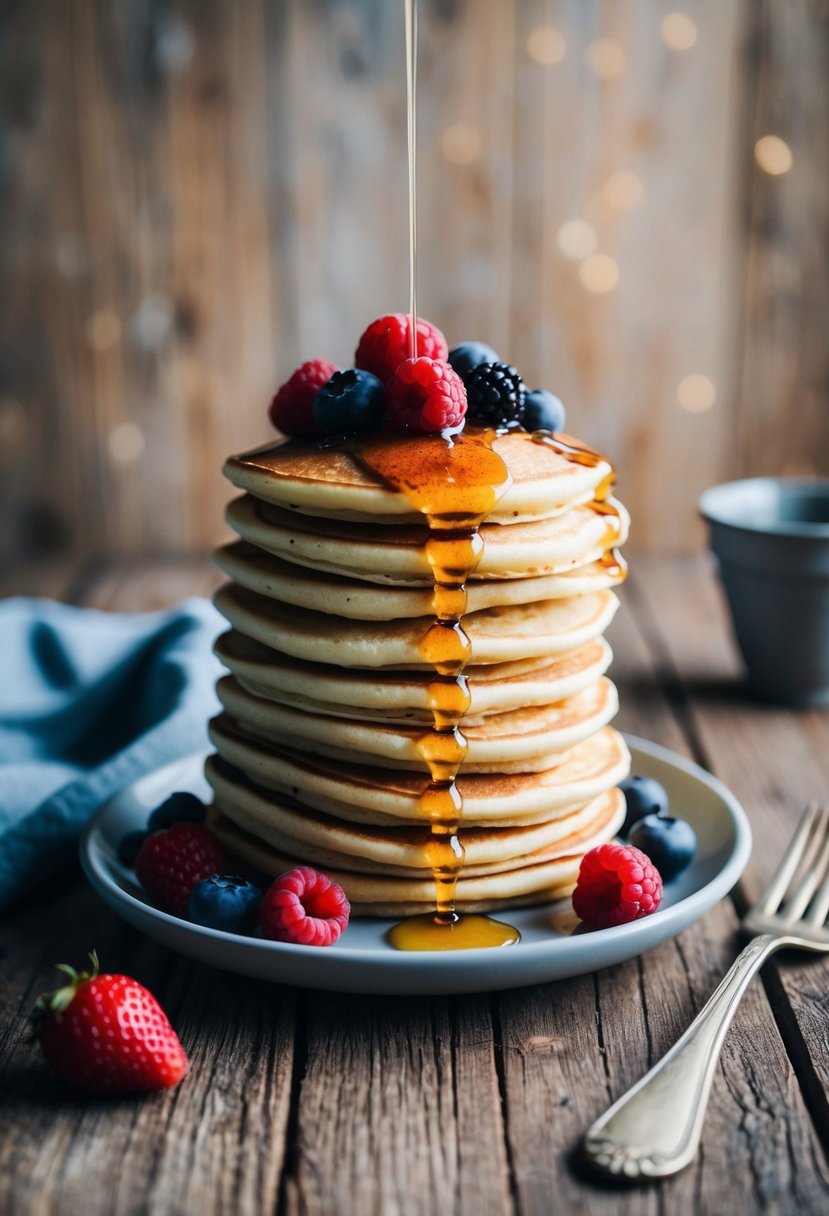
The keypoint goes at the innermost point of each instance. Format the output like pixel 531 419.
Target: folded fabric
pixel 89 702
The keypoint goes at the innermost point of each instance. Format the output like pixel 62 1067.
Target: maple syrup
pixel 577 453
pixel 614 564
pixel 453 482
pixel 411 139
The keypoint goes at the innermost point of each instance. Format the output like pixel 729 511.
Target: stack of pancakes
pixel 320 757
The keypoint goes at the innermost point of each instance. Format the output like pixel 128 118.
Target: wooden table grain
pixel 307 1103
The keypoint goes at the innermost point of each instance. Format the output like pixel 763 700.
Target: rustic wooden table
pixel 306 1102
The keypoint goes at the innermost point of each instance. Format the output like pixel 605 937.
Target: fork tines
pixel 799 888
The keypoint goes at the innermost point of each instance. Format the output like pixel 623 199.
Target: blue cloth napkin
pixel 89 702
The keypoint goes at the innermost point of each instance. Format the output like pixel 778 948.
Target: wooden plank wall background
pixel 196 195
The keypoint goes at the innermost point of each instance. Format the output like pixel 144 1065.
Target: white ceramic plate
pixel 361 961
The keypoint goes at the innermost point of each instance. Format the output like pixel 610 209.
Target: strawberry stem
pixel 61 998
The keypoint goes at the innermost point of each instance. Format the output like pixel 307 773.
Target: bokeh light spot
pixel 696 393
pixel 599 272
pixel 461 144
pixel 606 59
pixel 576 239
pixel 125 443
pixel 679 31
pixel 624 190
pixel 546 45
pixel 773 155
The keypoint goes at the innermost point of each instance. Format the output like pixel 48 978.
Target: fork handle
pixel 654 1129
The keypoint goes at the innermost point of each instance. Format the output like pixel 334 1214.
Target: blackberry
pixel 496 395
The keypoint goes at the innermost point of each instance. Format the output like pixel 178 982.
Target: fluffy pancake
pixel 396 555
pixel 302 477
pixel 372 795
pixel 317 837
pixel 537 876
pixel 335 595
pixel 522 740
pixel 497 635
pixel 403 696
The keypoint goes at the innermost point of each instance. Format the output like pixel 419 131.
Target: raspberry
pixel 290 411
pixel 425 395
pixel 305 907
pixel 385 344
pixel 616 884
pixel 171 862
pixel 496 394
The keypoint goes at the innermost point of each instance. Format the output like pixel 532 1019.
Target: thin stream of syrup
pixel 411 124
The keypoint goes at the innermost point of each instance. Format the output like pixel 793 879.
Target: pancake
pixel 403 696
pixel 335 595
pixel 331 482
pixel 316 837
pixel 537 878
pixel 497 635
pixel 398 556
pixel 523 740
pixel 378 796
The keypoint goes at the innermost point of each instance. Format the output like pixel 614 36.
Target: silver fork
pixel 654 1129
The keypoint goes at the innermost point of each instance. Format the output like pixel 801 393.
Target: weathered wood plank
pixel 56 578
pixel 564 1062
pixel 122 586
pixel 774 759
pixel 402 1094
pixel 199 195
pixel 595 134
pixel 784 370
pixel 399 1109
pixel 214 1144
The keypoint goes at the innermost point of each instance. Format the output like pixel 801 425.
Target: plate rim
pixel 440 963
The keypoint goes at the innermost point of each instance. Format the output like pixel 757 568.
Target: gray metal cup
pixel 770 536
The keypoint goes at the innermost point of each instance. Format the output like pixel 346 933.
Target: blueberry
pixel 469 355
pixel 226 902
pixel 543 411
pixel 128 847
pixel 179 808
pixel 643 796
pixel 350 401
pixel 670 843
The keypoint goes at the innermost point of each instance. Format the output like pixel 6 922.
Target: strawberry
pixel 171 862
pixel 107 1034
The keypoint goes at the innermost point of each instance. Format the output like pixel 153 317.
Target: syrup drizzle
pixel 454 482
pixel 411 124
pixel 578 453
